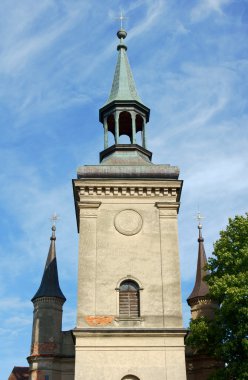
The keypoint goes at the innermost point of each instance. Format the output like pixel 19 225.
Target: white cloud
pixel 24 40
pixel 204 8
pixel 57 66
pixel 153 12
pixel 13 304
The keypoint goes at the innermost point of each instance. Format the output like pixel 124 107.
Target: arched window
pixel 129 299
pixel 125 124
pixel 130 377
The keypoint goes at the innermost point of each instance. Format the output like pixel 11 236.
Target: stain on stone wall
pixel 43 348
pixel 99 320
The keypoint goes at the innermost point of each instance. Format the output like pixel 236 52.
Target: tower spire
pixel 124 113
pixel 199 301
pixel 49 286
pixel 123 86
pixel 200 289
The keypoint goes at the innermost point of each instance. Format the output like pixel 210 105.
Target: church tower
pixel 52 350
pixel 200 303
pixel 199 365
pixel 129 314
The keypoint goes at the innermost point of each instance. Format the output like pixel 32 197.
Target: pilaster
pixel 88 212
pixel 170 267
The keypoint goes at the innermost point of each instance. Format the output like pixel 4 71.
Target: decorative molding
pixel 166 205
pixel 167 209
pixel 128 191
pixel 201 301
pixel 128 222
pixel 129 277
pixel 127 331
pixel 89 204
pixel 88 209
pixel 44 300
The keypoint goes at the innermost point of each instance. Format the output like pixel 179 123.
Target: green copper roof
pixel 123 87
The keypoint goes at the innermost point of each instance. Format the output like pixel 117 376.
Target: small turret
pixel 47 319
pixel 124 113
pixel 49 286
pixel 199 301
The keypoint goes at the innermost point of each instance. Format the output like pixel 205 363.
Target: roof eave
pixel 123 103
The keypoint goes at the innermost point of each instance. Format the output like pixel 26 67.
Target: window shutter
pixel 129 300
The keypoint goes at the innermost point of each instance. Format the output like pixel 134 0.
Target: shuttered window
pixel 129 301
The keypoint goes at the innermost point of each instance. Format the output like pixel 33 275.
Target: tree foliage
pixel 226 336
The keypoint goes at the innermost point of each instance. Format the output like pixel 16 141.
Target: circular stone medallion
pixel 128 222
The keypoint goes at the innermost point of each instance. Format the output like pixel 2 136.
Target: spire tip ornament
pixel 121 18
pixel 199 217
pixel 54 219
pixel 121 34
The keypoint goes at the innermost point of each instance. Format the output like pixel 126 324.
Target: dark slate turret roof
pixel 201 288
pixel 49 286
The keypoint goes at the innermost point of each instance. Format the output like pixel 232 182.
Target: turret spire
pixel 200 289
pixel 124 113
pixel 123 86
pixel 49 286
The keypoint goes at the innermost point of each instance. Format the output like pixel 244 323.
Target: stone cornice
pixel 88 194
pixel 44 300
pixel 90 204
pixel 159 332
pixel 128 191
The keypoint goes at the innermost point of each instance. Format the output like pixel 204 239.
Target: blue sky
pixel 190 63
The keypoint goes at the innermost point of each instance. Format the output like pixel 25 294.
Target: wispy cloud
pixel 153 12
pixel 57 63
pixel 13 304
pixel 204 8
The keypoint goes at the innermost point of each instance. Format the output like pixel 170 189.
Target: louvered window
pixel 129 301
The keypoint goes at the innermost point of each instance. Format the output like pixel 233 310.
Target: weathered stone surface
pixel 128 230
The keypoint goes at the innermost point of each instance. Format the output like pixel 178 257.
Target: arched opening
pixel 124 139
pixel 111 139
pixel 125 124
pixel 130 377
pixel 139 138
pixel 111 124
pixel 139 123
pixel 129 299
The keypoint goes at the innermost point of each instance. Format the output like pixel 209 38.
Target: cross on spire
pixel 199 217
pixel 54 218
pixel 121 18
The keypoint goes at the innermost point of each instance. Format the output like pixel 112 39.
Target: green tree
pixel 226 336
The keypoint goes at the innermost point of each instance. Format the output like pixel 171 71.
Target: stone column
pixel 87 261
pixel 133 116
pixel 117 113
pixel 172 303
pixel 105 124
pixel 144 133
